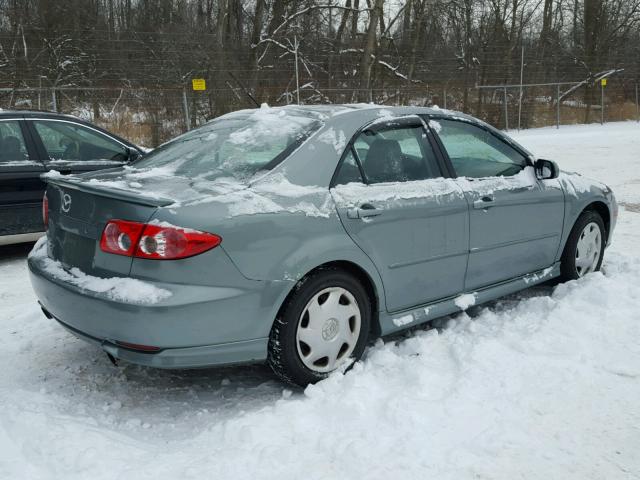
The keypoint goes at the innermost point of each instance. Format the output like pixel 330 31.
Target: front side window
pixel 12 145
pixel 235 146
pixel 476 153
pixel 74 142
pixel 396 155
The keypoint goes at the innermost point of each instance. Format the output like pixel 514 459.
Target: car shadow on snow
pixel 15 252
pixel 148 401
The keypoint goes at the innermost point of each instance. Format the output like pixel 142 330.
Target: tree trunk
pixel 366 64
pixel 592 15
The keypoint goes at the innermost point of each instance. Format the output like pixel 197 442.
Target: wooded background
pixel 126 63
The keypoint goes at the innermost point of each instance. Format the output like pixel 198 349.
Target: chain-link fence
pixel 149 116
pixel 535 105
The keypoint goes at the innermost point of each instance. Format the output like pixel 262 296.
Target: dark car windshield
pixel 234 146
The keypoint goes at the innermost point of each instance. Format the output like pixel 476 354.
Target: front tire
pixel 584 250
pixel 323 326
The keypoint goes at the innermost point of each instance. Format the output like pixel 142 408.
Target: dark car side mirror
pixel 546 169
pixel 132 154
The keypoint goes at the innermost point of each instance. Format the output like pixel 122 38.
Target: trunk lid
pixel 81 205
pixel 78 213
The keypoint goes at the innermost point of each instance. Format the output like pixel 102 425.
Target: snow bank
pixel 126 290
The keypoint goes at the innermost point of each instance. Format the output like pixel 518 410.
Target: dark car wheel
pixel 324 325
pixel 584 250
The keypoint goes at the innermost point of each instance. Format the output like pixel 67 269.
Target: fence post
pixel 558 106
pixel 185 105
pixel 637 105
pixel 506 111
pixel 54 103
pixel 601 103
pixel 444 98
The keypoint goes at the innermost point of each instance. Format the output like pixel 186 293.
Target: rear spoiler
pixel 107 191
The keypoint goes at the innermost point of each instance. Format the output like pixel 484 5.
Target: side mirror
pixel 132 154
pixel 546 169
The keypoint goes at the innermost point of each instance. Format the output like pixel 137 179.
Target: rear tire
pixel 584 250
pixel 324 324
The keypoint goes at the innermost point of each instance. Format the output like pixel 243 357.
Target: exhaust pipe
pixel 113 359
pixel 46 312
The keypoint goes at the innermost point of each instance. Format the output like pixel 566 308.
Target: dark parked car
pixel 32 143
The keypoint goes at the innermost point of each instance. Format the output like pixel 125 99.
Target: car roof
pixel 339 109
pixel 38 113
pixel 60 116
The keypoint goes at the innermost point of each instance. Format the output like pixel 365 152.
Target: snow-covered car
pixel 34 142
pixel 294 235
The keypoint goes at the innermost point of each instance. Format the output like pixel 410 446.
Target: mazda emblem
pixel 66 203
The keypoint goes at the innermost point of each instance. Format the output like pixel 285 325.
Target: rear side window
pixel 12 144
pixel 74 142
pixel 396 155
pixel 476 153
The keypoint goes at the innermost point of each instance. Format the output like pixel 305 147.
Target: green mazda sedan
pixel 294 235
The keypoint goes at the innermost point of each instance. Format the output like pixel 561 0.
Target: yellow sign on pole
pixel 603 82
pixel 198 84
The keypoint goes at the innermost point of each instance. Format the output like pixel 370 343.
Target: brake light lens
pixel 121 237
pixel 45 211
pixel 155 241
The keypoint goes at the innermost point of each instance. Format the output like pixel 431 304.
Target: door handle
pixel 364 211
pixel 487 201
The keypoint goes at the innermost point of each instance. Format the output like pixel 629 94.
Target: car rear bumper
pixel 198 326
pixel 249 351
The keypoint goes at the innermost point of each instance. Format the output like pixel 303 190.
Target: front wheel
pixel 324 325
pixel 584 250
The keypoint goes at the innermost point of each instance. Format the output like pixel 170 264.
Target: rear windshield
pixel 236 146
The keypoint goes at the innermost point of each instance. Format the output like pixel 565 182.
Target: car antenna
pixel 244 89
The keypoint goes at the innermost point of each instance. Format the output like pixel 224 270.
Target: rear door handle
pixel 364 211
pixel 487 201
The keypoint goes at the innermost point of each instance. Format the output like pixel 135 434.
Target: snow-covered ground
pixel 543 384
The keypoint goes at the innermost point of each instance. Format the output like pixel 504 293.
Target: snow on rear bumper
pixel 224 325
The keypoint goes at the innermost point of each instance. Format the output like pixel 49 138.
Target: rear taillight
pixel 45 211
pixel 121 237
pixel 155 241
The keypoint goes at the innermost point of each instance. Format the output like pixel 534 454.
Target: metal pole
pixel 54 103
pixel 40 94
pixel 506 111
pixel 295 53
pixel 637 105
pixel 601 103
pixel 558 106
pixel 521 78
pixel 185 105
pixel 444 98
